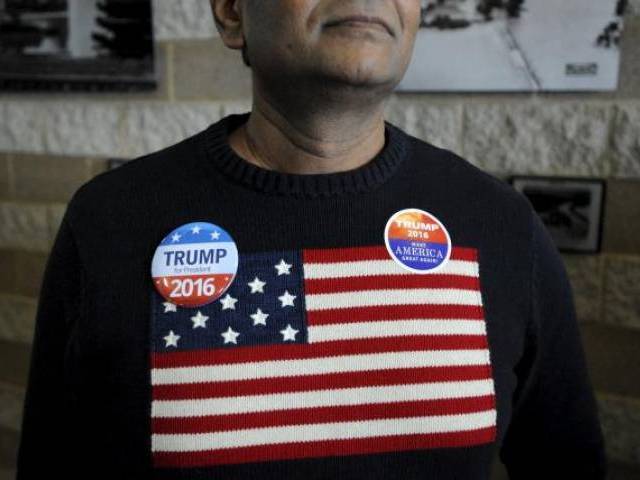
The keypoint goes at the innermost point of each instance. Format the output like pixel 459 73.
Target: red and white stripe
pixel 395 361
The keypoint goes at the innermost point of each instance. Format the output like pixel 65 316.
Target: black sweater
pixel 322 356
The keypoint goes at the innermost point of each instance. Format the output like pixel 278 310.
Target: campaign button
pixel 417 241
pixel 194 264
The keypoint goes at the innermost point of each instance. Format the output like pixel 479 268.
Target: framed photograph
pixel 572 208
pixel 516 45
pixel 78 45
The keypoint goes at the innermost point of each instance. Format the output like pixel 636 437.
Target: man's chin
pixel 358 78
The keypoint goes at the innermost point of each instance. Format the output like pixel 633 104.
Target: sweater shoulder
pixel 139 179
pixel 478 188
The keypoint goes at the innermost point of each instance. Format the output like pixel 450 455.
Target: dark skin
pixel 318 91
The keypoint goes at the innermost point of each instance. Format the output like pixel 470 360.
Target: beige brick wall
pixel 51 144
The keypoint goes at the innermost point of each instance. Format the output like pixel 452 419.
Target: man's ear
pixel 227 16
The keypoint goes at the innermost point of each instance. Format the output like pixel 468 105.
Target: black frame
pixel 568 179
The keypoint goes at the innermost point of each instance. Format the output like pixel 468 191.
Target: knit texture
pixel 324 358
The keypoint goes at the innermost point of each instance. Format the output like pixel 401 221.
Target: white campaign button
pixel 194 264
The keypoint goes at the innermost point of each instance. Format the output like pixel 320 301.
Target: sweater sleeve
pixel 46 438
pixel 554 430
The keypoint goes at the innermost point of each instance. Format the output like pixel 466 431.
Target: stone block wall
pixel 52 143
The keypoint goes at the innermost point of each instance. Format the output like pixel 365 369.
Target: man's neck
pixel 309 143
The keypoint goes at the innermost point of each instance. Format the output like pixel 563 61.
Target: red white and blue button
pixel 195 264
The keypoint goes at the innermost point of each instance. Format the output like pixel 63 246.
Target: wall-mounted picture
pixel 516 45
pixel 570 207
pixel 86 45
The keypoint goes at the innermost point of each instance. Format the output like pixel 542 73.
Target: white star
pixel 199 320
pixel 228 302
pixel 215 235
pixel 175 237
pixel 196 230
pixel 170 307
pixel 230 336
pixel 283 267
pixel 171 339
pixel 259 317
pixel 256 285
pixel 287 299
pixel 289 333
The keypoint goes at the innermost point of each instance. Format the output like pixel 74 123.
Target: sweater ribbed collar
pixel 367 177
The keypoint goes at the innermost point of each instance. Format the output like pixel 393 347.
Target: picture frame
pixel 516 46
pixel 572 208
pixel 77 45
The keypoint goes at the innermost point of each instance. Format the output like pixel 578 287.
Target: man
pixel 307 291
pixel 326 113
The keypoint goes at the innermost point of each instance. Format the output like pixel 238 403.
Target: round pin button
pixel 417 240
pixel 194 264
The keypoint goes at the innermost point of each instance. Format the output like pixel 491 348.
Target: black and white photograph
pixel 516 45
pixel 571 209
pixel 278 265
pixel 79 45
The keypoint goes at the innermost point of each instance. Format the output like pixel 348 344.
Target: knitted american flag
pixel 320 352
